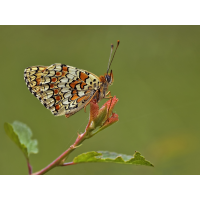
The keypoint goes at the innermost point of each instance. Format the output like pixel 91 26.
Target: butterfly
pixel 64 89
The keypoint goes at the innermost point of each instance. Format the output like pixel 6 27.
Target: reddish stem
pixel 94 110
pixel 29 167
pixel 58 160
pixel 69 163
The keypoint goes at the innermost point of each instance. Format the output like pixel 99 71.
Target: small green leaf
pixel 21 135
pixel 105 156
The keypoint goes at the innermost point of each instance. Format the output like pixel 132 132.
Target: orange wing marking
pixel 38 81
pixel 57 107
pixel 83 76
pixel 51 86
pixel 82 98
pixel 53 80
pixel 74 92
pixel 55 91
pixel 73 84
pixel 63 73
pixel 57 98
pixel 75 96
pixel 82 85
pixel 58 73
pixel 65 69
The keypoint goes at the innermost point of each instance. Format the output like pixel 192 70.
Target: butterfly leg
pixel 106 96
pixel 90 100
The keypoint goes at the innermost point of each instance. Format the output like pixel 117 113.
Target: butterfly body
pixel 65 90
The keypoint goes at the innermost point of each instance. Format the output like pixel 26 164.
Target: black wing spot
pixel 37 69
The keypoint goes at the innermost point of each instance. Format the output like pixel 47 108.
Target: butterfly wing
pixel 62 89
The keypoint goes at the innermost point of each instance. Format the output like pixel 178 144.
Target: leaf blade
pixel 105 156
pixel 21 135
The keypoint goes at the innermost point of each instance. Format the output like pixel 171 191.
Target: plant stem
pixel 69 163
pixel 96 119
pixel 58 160
pixel 29 167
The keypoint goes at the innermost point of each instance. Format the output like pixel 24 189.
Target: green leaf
pixel 21 135
pixel 105 156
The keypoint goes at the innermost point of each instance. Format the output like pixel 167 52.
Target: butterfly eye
pixel 108 78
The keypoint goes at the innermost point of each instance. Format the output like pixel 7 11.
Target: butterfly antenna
pixel 110 56
pixel 113 55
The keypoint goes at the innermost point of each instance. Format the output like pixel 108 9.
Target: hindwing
pixel 61 88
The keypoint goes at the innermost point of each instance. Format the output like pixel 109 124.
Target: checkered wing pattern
pixel 62 89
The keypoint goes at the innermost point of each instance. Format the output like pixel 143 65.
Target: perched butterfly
pixel 65 90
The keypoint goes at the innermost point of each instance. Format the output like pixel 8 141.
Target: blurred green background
pixel 156 78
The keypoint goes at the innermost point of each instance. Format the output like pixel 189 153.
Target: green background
pixel 156 78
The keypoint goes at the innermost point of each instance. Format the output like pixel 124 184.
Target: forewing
pixel 62 89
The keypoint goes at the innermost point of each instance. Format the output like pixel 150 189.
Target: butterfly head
pixel 109 78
